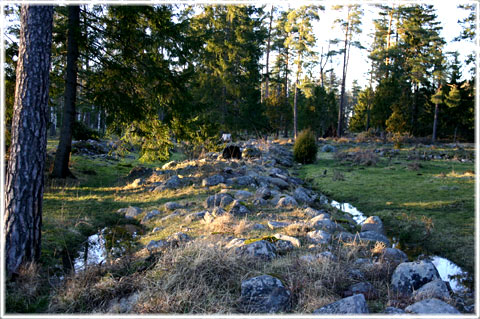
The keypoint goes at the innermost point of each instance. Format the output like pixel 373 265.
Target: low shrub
pixel 305 148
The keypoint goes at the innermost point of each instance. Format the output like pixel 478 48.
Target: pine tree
pixel 24 179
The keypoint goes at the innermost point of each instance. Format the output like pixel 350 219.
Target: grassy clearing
pixel 427 205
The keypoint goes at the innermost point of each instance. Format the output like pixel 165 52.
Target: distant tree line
pixel 150 73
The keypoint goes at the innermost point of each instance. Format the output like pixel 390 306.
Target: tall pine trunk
pixel 267 76
pixel 342 92
pixel 62 157
pixel 25 173
pixel 435 120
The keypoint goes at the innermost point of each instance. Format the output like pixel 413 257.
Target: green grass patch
pixel 430 205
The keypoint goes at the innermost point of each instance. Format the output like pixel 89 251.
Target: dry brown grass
pixel 357 157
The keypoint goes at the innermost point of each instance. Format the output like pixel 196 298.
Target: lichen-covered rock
pixel 319 222
pixel 345 236
pixel 243 195
pixel 264 294
pixel 431 306
pixel 371 235
pixel 303 196
pixel 319 237
pixel 263 192
pixel 353 304
pixel 295 242
pixel 173 182
pixel 261 249
pixel 156 244
pixel 213 180
pixel 394 255
pixel 132 212
pixel 411 276
pixel 172 205
pixel 287 201
pixel 312 212
pixel 373 223
pixel 242 181
pixel 283 246
pixel 434 289
pixel 195 216
pixel 260 202
pixel 150 215
pixel 238 210
pixel 220 199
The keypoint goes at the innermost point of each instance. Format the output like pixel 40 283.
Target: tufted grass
pixel 430 208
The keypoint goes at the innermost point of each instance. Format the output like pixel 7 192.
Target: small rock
pixel 434 289
pixel 279 182
pixel 394 255
pixel 274 225
pixel 259 202
pixel 287 201
pixel 295 242
pixel 431 306
pixel 238 210
pixel 283 246
pixel 302 196
pixel 353 304
pixel 264 294
pixel 172 205
pixel 195 216
pixel 327 148
pixel 311 212
pixel 319 237
pixel 178 238
pixel 157 229
pixel 364 288
pixel 263 193
pixel 373 223
pixel 235 243
pixel 150 215
pixel 220 199
pixel 169 165
pixel 323 224
pixel 261 249
pixel 374 236
pixel 259 227
pixel 132 212
pixel 242 181
pixel 345 237
pixel 393 310
pixel 156 244
pixel 411 276
pixel 213 180
pixel 243 195
pixel 172 215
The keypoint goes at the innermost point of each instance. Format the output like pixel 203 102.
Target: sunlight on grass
pixel 429 205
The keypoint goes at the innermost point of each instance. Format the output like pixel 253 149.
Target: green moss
pixel 271 239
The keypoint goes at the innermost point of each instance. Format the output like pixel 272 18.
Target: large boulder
pixel 220 199
pixel 410 276
pixel 263 192
pixel 353 304
pixel 264 294
pixel 295 242
pixel 274 224
pixel 151 214
pixel 394 255
pixel 242 181
pixel 434 289
pixel 280 183
pixel 373 223
pixel 431 306
pixel 319 222
pixel 232 151
pixel 213 180
pixel 243 195
pixel 173 182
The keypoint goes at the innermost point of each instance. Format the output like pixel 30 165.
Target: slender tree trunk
pixel 413 119
pixel 295 109
pixel 342 92
pixel 267 76
pixel 286 74
pixel 62 157
pixel 387 58
pixel 25 173
pixel 435 117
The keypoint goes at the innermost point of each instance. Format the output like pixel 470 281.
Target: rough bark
pixel 25 178
pixel 62 157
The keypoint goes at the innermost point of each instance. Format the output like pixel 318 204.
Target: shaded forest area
pixel 150 73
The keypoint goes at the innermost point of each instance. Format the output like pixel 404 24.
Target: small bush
pixel 81 132
pixel 305 148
